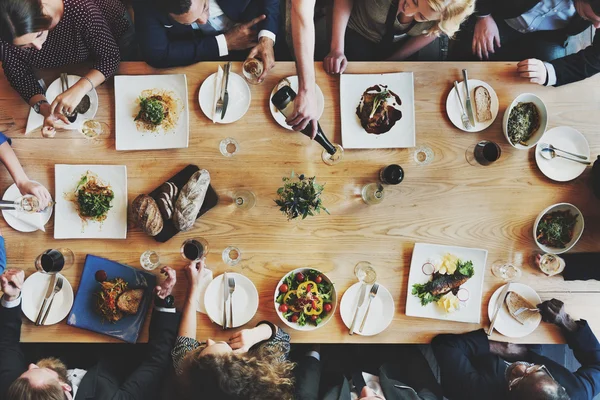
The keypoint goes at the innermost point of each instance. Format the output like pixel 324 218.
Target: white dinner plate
pixel 32 296
pixel 239 98
pixel 55 89
pixel 68 224
pixel 245 300
pixel 381 313
pixel 565 138
pixel 20 223
pixel 279 117
pixel 505 323
pixel 453 106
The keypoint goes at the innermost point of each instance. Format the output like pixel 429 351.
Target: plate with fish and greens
pixel 446 282
pixel 91 202
pixel 151 112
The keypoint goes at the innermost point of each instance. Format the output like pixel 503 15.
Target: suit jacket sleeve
pixel 586 348
pixel 484 7
pixel 271 23
pixel 161 51
pixel 578 66
pixel 308 375
pixel 12 361
pixel 460 378
pixel 146 380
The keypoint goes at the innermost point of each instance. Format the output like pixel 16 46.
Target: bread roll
pixel 190 200
pixel 483 104
pixel 514 301
pixel 147 215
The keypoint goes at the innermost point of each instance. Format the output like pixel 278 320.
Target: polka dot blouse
pixel 88 30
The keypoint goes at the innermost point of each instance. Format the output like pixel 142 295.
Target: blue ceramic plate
pixel 84 314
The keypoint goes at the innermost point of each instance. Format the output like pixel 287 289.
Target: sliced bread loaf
pixel 483 104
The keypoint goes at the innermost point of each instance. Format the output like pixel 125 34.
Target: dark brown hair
pixel 21 17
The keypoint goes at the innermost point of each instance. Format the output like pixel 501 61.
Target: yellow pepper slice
pixel 292 307
pixel 309 310
pixel 303 288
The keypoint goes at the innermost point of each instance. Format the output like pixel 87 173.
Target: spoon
pixel 550 146
pixel 549 154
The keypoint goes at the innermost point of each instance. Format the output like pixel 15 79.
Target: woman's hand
pixel 335 62
pixel 163 290
pixel 305 112
pixel 67 102
pixel 39 191
pixel 193 272
pixel 243 340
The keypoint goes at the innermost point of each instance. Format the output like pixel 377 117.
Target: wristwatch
pixel 167 302
pixel 36 106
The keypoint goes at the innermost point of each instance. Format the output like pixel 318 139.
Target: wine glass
pixel 194 249
pixel 229 147
pixel 231 256
pixel 335 158
pixel 423 155
pixel 483 153
pixel 372 193
pixel 53 261
pixel 252 69
pixel 244 199
pixel 550 264
pixel 150 260
pixel 92 129
pixel 365 273
pixel 506 271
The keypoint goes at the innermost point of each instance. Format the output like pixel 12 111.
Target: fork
pixel 372 295
pixel 231 283
pixel 463 116
pixel 57 288
pixel 523 309
pixel 220 102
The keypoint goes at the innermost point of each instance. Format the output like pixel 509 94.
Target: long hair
pixel 21 389
pixel 259 374
pixel 452 14
pixel 21 17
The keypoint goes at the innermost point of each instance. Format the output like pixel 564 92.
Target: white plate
pixel 245 300
pixel 565 138
pixel 33 292
pixel 470 311
pixel 128 89
pixel 352 88
pixel 279 117
pixel 505 323
pixel 239 98
pixel 12 193
pixel 577 229
pixel 55 89
pixel 381 313
pixel 68 224
pixel 453 106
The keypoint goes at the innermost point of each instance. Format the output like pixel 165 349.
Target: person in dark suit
pixel 366 376
pixel 534 32
pixel 473 367
pixel 175 33
pixel 50 379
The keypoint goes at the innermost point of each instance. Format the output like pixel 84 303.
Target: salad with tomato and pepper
pixel 305 298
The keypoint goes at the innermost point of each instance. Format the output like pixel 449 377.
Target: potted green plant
pixel 300 197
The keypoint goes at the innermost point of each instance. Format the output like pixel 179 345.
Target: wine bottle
pixel 283 100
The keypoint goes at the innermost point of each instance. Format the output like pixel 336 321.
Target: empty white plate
pixel 245 300
pixel 32 297
pixel 568 139
pixel 20 223
pixel 505 323
pixel 453 106
pixel 239 98
pixel 279 117
pixel 381 313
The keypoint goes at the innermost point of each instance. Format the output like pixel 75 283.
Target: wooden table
pixel 446 202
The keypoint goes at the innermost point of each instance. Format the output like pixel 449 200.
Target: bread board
pixel 180 179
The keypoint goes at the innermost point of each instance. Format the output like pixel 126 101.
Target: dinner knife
pixel 498 307
pixel 226 93
pixel 468 102
pixel 49 292
pixel 361 300
pixel 225 297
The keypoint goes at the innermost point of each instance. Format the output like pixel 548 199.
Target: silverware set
pixel 548 151
pixel 228 290
pixel 463 115
pixel 54 286
pixel 361 299
pixel 223 100
pixel 499 303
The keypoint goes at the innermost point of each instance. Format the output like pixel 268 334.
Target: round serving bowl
pixel 308 326
pixel 537 135
pixel 577 230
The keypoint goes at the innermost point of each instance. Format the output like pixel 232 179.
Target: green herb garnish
pixel 151 111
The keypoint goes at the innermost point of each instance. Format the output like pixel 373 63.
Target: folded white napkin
pixel 207 277
pixel 34 121
pixel 218 81
pixel 32 219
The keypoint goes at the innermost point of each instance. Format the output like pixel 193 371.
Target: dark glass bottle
pixel 283 100
pixel 392 174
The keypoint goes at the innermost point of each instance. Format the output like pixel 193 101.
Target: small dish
pixel 239 98
pixel 33 292
pixel 565 138
pixel 380 315
pixel 454 111
pixel 245 300
pixel 543 113
pixel 505 323
pixel 577 230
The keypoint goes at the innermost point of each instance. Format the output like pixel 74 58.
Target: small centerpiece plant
pixel 300 197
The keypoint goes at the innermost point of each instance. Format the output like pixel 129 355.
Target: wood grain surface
pixel 447 202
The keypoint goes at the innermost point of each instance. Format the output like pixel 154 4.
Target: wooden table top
pixel 447 202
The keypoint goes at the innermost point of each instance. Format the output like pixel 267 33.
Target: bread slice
pixel 483 104
pixel 514 301
pixel 129 301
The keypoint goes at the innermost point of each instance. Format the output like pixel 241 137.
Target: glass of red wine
pixel 483 153
pixel 194 249
pixel 53 261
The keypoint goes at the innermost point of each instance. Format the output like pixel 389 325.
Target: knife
pixel 49 292
pixel 226 93
pixel 498 306
pixel 469 105
pixel 361 300
pixel 225 297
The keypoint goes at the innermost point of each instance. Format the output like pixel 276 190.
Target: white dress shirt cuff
pixel 267 34
pixel 314 354
pixel 11 304
pixel 222 43
pixel 165 309
pixel 551 74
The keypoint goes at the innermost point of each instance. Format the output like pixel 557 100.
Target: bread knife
pixel 468 102
pixel 498 306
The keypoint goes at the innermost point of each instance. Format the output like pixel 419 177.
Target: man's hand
pixel 553 311
pixel 264 52
pixel 305 112
pixel 39 191
pixel 534 70
pixel 485 35
pixel 335 62
pixel 243 340
pixel 11 283
pixel 243 36
pixel 193 272
pixel 163 290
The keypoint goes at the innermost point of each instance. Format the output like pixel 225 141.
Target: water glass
pixel 53 261
pixel 232 256
pixel 332 159
pixel 551 264
pixel 244 199
pixel 372 193
pixel 229 147
pixel 252 69
pixel 365 273
pixel 92 129
pixel 423 155
pixel 194 249
pixel 150 260
pixel 506 271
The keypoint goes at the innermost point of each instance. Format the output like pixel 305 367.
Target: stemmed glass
pixel 92 129
pixel 194 249
pixel 365 273
pixel 332 159
pixel 506 271
pixel 244 199
pixel 483 153
pixel 150 260
pixel 372 193
pixel 252 69
pixel 229 147
pixel 231 256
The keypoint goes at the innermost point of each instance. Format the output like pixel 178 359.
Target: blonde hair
pixel 452 14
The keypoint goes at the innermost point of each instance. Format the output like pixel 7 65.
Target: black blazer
pixel 101 381
pixel 470 371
